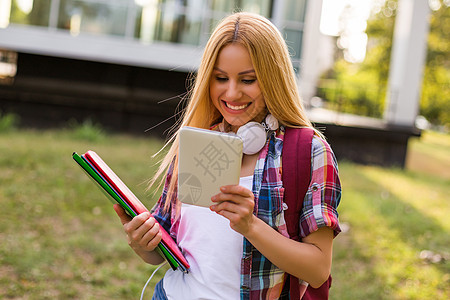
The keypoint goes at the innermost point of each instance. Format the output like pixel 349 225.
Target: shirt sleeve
pixel 324 192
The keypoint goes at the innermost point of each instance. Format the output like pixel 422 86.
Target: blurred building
pixel 127 64
pixel 123 63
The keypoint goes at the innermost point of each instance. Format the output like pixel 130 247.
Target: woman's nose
pixel 233 91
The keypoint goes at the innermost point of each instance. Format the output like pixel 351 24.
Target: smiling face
pixel 234 88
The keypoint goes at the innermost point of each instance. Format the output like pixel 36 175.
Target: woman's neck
pixel 248 164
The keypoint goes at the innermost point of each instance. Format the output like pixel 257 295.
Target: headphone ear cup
pixel 254 137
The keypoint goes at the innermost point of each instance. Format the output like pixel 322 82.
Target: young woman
pixel 239 247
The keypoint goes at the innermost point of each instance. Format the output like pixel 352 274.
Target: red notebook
pixel 132 201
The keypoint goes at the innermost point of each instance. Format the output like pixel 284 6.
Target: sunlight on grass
pixel 393 217
pixel 430 154
pixel 386 237
pixel 413 189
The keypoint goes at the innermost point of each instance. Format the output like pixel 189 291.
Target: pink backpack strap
pixel 296 176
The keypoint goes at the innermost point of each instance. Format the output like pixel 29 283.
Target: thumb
pixel 124 218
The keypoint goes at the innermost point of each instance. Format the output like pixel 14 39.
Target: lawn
pixel 60 238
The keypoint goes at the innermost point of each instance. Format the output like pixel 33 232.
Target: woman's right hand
pixel 143 233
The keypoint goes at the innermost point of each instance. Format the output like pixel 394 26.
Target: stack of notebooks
pixel 119 193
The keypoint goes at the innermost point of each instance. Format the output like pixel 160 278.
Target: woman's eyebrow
pixel 219 69
pixel 246 72
pixel 240 73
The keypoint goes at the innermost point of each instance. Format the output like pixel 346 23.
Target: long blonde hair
pixel 274 71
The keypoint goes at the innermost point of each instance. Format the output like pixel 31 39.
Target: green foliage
pixel 353 91
pixel 39 15
pixel 60 238
pixel 87 130
pixel 435 101
pixel 361 88
pixel 8 122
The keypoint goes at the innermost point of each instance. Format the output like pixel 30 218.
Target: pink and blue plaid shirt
pixel 260 279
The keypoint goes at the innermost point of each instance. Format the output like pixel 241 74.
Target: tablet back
pixel 207 160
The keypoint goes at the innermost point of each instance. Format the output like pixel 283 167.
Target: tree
pixel 435 100
pixel 361 88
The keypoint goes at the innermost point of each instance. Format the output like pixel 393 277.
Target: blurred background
pixel 372 73
pixel 111 76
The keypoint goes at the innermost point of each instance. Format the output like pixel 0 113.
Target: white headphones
pixel 254 134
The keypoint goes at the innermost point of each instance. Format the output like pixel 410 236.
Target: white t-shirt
pixel 213 251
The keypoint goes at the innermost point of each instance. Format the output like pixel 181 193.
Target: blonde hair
pixel 274 72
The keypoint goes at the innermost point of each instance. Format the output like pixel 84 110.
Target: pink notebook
pixel 132 201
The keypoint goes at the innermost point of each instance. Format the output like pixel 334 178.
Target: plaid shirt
pixel 260 279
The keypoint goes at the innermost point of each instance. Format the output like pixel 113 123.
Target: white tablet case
pixel 207 160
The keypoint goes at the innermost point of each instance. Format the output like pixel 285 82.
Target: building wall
pixel 164 34
pixel 126 65
pixel 106 60
pixel 51 91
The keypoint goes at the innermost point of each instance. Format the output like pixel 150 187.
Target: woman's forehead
pixel 234 56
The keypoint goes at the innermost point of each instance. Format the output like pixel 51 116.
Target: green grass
pixel 60 238
pixel 392 216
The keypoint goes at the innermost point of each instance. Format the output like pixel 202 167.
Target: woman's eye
pixel 248 81
pixel 221 79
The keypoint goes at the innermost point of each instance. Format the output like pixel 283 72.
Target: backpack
pixel 297 152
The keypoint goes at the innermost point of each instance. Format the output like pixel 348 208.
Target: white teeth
pixel 236 107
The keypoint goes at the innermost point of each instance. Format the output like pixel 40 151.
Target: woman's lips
pixel 236 107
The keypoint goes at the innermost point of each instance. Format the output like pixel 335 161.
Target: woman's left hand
pixel 235 203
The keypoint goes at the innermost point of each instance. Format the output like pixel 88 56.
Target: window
pixel 294 10
pixel 172 21
pixel 30 12
pixel 292 28
pixel 187 22
pixel 95 17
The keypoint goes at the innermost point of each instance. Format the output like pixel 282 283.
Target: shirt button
pixel 315 188
pixel 244 287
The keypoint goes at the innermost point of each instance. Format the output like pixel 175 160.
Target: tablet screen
pixel 207 160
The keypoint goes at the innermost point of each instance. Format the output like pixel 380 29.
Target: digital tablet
pixel 207 160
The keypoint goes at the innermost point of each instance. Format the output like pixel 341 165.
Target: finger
pixel 139 221
pixel 138 233
pixel 237 190
pixel 124 217
pixel 151 238
pixel 225 213
pixel 220 198
pixel 146 237
pixel 234 198
pixel 232 207
pixel 233 217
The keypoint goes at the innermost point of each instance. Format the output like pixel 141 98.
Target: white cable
pixel 151 276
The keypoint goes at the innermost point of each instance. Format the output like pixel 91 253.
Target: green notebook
pixel 115 197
